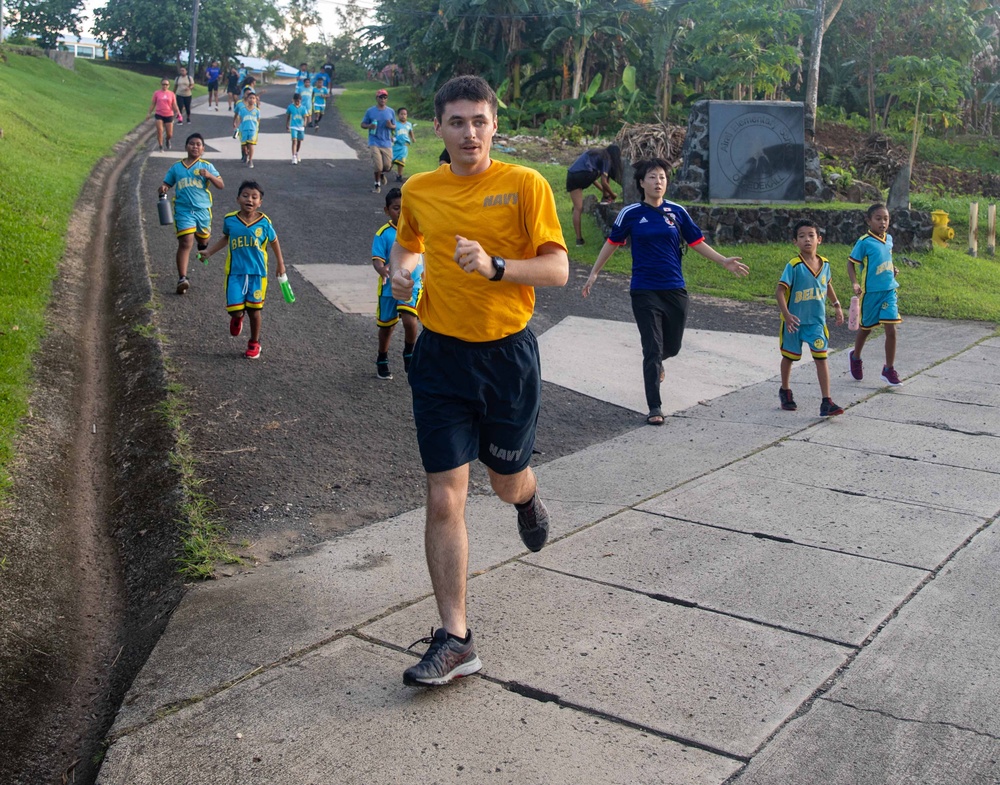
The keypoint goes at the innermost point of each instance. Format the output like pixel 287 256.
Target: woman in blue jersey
pixel 659 299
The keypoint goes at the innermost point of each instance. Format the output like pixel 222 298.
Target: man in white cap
pixel 380 122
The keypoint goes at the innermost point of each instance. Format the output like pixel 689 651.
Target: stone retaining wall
pixel 910 229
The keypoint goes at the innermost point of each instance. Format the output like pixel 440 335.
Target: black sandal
pixel 655 417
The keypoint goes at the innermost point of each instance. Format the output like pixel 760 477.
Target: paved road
pixel 744 595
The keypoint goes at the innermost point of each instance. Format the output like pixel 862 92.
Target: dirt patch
pixel 541 149
pixel 842 146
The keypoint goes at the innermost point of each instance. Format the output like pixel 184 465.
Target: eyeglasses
pixel 164 84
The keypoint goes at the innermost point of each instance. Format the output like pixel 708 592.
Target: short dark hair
pixel 195 135
pixel 250 184
pixel 805 222
pixel 464 88
pixel 296 95
pixel 875 207
pixel 644 167
pixel 394 193
pixel 401 109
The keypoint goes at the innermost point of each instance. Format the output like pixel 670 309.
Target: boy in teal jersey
pixel 295 124
pixel 320 92
pixel 247 233
pixel 801 294
pixel 307 99
pixel 192 203
pixel 401 143
pixel 871 259
pixel 389 310
pixel 302 77
pixel 247 124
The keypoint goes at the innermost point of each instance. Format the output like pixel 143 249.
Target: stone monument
pixel 756 151
pixel 748 152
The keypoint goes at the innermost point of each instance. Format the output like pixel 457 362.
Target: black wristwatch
pixel 500 266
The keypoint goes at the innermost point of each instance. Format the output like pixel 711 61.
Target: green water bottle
pixel 286 289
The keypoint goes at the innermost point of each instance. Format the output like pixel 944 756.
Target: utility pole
pixel 194 38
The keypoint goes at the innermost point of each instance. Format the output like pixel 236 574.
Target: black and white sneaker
pixel 533 523
pixel 182 285
pixel 447 658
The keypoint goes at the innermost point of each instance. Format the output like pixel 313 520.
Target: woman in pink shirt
pixel 164 105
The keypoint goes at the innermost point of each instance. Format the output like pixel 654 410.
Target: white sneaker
pixel 251 164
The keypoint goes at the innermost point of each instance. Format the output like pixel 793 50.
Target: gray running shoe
pixel 533 524
pixel 446 659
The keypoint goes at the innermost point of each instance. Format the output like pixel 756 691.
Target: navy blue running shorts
pixel 476 400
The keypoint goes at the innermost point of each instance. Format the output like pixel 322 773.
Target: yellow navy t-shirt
pixel 510 211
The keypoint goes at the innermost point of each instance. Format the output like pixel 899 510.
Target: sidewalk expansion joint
pixel 788 540
pixel 945 427
pixel 944 400
pixel 913 720
pixel 691 604
pixel 532 693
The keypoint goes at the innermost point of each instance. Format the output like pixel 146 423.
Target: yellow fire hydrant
pixel 942 232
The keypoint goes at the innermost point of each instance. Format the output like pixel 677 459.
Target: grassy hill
pixel 56 125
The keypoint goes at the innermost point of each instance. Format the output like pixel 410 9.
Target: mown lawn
pixel 56 125
pixel 947 284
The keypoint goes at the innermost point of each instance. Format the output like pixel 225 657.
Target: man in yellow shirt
pixel 489 234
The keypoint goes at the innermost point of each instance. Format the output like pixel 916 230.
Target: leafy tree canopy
pixel 46 19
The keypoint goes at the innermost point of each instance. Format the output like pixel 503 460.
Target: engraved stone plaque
pixel 756 151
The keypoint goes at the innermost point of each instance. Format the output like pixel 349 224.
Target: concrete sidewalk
pixel 744 594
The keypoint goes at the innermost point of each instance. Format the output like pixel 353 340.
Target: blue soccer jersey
pixel 297 117
pixel 191 189
pixel 873 256
pixel 805 293
pixel 249 120
pixel 307 97
pixel 247 247
pixel 381 246
pixel 656 233
pixel 319 98
pixel 401 142
pixel 301 80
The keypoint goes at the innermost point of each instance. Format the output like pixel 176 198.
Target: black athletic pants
pixel 660 316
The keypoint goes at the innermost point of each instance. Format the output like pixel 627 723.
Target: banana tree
pixel 580 22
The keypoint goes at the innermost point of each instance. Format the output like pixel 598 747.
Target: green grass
pixel 56 125
pixel 948 284
pixel 203 543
